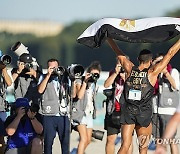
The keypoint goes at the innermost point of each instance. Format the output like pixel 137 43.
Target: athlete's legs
pixel 127 131
pixel 144 134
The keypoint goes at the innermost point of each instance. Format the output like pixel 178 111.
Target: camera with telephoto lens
pixel 97 134
pixel 5 59
pixel 19 49
pixel 59 70
pixel 75 71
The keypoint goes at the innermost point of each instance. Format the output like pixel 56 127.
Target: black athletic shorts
pixel 134 115
pixel 110 127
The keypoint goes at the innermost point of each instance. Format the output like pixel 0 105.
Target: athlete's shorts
pixel 133 115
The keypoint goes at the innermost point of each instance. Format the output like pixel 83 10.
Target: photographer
pixel 23 129
pixel 167 94
pixel 25 79
pixel 112 118
pixel 84 109
pixel 54 107
pixel 5 81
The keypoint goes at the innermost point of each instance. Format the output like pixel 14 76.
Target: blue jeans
pixel 52 124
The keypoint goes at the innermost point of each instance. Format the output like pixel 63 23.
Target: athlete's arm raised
pixel 154 72
pixel 125 62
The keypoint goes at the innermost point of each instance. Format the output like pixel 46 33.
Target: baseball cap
pixel 25 57
pixel 22 102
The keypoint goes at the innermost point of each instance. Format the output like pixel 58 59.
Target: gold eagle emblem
pixel 127 24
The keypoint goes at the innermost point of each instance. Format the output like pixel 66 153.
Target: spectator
pixel 23 129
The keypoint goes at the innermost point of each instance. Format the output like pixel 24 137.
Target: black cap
pixel 25 57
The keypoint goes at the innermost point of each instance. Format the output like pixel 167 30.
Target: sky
pixel 68 11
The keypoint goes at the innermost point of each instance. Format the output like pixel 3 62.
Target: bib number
pixel 134 95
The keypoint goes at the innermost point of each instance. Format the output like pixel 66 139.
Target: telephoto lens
pixel 97 134
pixel 59 70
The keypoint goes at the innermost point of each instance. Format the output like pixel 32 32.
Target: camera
pixel 94 76
pixel 28 66
pixel 75 71
pixel 6 59
pixel 33 108
pixel 20 49
pixel 59 70
pixel 97 134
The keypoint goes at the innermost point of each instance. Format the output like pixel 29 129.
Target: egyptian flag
pixel 147 30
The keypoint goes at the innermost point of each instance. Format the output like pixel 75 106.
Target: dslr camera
pixel 75 71
pixel 19 49
pixel 33 108
pixel 59 70
pixel 97 134
pixel 94 76
pixel 5 59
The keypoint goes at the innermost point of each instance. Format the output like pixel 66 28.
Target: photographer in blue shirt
pixel 23 129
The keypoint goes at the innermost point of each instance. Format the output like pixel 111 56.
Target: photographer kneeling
pixel 83 110
pixel 23 129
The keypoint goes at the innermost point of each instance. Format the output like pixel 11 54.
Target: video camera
pixel 75 71
pixel 97 134
pixel 5 59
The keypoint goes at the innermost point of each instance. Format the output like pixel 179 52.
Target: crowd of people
pixel 143 100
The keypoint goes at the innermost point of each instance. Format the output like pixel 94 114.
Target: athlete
pixel 138 92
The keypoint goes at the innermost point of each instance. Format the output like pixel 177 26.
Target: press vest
pixel 27 87
pixel 137 89
pixel 22 137
pixel 79 107
pixel 51 104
